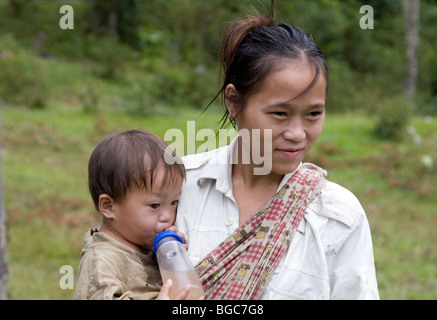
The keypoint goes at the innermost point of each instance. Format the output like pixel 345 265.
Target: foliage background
pixel 61 91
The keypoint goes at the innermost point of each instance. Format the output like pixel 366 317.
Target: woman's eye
pixel 280 114
pixel 155 205
pixel 314 114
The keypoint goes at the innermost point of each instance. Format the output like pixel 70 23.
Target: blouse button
pixel 228 221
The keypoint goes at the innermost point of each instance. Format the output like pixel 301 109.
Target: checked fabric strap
pixel 240 267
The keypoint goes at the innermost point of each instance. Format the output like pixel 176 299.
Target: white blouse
pixel 330 257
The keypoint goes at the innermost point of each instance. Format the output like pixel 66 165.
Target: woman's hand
pixel 163 294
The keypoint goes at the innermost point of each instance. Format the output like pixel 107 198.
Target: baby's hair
pixel 127 160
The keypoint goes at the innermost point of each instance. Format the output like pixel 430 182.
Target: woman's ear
pixel 107 206
pixel 232 99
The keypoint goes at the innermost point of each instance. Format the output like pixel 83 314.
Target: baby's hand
pixel 180 234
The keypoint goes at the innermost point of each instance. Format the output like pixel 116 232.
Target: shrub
pixel 22 79
pixel 392 117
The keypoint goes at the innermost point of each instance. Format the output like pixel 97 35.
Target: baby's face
pixel 145 213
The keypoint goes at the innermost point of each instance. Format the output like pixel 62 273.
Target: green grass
pixel 45 154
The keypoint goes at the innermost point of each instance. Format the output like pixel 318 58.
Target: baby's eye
pixel 175 203
pixel 155 205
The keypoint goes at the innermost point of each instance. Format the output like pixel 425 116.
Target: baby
pixel 137 193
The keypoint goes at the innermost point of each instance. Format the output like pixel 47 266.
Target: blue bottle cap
pixel 164 234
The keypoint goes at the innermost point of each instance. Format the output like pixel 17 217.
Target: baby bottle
pixel 175 264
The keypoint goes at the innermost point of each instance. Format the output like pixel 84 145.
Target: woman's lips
pixel 290 153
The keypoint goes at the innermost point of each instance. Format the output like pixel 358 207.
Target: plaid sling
pixel 240 267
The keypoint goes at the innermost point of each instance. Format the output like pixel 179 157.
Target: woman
pixel 290 233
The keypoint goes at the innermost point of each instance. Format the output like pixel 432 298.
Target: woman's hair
pixel 128 160
pixel 251 48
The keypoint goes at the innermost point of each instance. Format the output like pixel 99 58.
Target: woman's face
pixel 296 120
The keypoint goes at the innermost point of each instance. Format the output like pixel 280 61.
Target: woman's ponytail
pixel 237 31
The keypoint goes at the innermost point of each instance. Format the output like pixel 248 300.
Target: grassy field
pixel 45 154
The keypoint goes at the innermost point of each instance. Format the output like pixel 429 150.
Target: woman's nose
pixel 295 131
